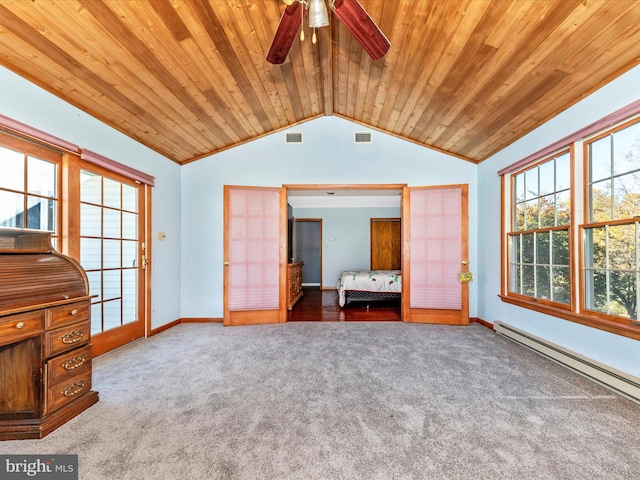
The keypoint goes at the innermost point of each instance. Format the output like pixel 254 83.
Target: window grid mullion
pixel 607 270
pixel 551 263
pixel 520 265
pixel 637 269
pixel 555 196
pixel 25 196
pixel 538 198
pixel 535 254
pixel 102 300
pixel 611 206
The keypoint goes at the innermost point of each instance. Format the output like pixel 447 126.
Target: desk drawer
pixel 68 365
pixel 68 390
pixel 67 314
pixel 17 327
pixel 66 338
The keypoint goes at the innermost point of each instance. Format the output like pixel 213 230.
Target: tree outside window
pixel 612 237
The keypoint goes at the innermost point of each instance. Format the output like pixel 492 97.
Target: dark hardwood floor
pixel 322 306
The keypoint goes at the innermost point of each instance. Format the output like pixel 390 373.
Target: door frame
pixel 406 252
pixel 344 186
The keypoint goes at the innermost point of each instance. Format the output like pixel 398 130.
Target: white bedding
pixel 369 281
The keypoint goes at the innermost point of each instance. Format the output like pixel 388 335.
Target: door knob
pixel 464 262
pixel 226 264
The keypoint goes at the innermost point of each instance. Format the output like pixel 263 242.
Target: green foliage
pixel 611 250
pixel 540 252
pixel 613 256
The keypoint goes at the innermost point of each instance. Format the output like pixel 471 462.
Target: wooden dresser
pixel 45 336
pixel 294 283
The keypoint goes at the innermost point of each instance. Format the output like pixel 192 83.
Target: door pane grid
pixel 254 282
pixel 435 249
pixel 109 249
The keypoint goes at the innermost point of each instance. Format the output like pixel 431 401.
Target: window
pixel 29 186
pixel 539 244
pixel 98 211
pixel 571 222
pixel 611 236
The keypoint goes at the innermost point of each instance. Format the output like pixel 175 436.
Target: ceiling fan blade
pixel 362 27
pixel 285 34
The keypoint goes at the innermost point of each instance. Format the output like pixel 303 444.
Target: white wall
pixel 29 104
pixel 346 237
pixel 614 350
pixel 187 201
pixel 327 156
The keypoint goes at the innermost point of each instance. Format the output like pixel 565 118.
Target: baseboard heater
pixel 622 383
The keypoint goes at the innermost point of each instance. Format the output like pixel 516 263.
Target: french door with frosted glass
pixel 255 226
pixel 435 253
pixel 112 243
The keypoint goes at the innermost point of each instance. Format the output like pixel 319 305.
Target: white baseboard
pixel 618 381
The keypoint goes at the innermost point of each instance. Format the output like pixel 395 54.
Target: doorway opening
pixel 307 248
pixel 333 224
pixel 434 252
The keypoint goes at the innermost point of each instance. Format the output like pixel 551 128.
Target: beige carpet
pixel 343 401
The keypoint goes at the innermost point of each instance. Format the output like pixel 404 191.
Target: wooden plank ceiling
pixel 189 78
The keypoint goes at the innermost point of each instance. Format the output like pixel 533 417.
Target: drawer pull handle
pixel 73 337
pixel 19 325
pixel 74 389
pixel 75 362
pixel 74 312
pixel 65 297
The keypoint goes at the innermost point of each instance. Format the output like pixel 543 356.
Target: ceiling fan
pixel 350 12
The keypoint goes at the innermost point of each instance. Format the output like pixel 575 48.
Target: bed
pixel 369 285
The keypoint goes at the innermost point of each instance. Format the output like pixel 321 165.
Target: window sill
pixel 612 326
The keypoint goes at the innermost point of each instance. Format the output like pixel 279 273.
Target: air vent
pixel 362 137
pixel 293 137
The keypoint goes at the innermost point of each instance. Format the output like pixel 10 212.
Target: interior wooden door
pixel 435 250
pixel 255 229
pixel 385 244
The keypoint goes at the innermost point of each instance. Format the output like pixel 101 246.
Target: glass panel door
pixel 255 259
pixel 111 251
pixel 435 255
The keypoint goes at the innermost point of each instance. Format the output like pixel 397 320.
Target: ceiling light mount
pixel 318 15
pixel 349 12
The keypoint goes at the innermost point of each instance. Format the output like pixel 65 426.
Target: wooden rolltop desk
pixel 45 336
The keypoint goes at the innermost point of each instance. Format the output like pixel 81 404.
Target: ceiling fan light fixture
pixel 349 12
pixel 318 15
